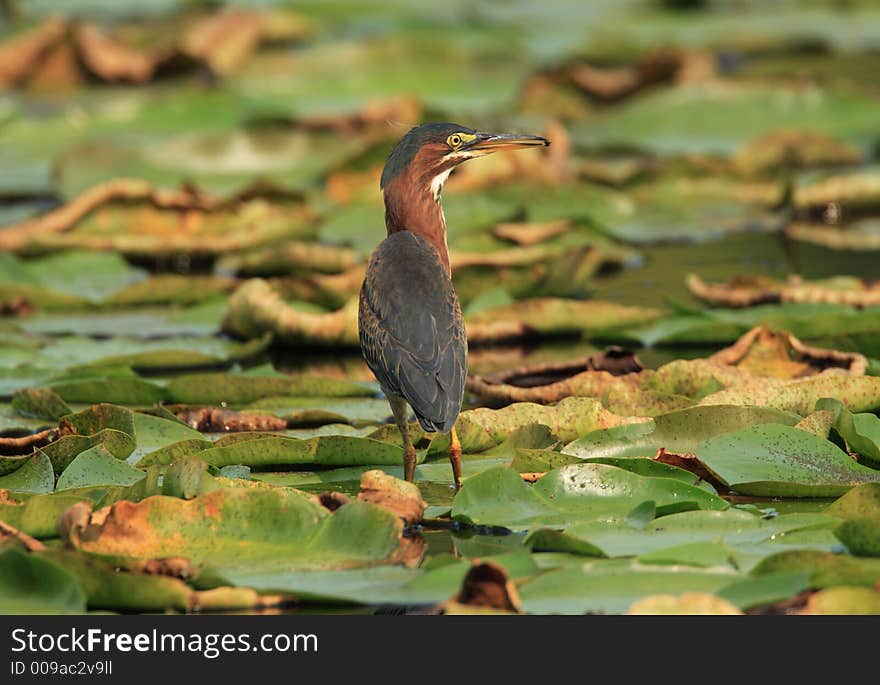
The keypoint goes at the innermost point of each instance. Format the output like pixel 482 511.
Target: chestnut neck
pixel 411 205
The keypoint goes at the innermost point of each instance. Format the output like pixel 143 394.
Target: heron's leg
pixel 400 409
pixel 455 457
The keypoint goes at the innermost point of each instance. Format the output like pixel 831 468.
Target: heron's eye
pixel 454 140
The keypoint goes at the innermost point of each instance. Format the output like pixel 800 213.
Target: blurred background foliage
pixel 174 168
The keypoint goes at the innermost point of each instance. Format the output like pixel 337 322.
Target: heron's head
pixel 428 153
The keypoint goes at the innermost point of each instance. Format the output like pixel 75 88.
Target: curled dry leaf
pixel 487 585
pixel 611 84
pixel 749 291
pixel 857 235
pixel 550 382
pixel 256 307
pixel 332 500
pixel 62 52
pixel 290 258
pixel 778 354
pixel 214 420
pixel 78 523
pixel 397 496
pixel 689 462
pixel 224 40
pixel 20 56
pixel 549 317
pixel 17 305
pixel 28 443
pixel 113 61
pixel 532 233
pixel 835 197
pixel 10 532
pixel 19 237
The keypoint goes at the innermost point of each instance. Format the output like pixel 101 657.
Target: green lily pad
pixel 97 466
pixel 34 476
pixel 746 536
pixel 64 450
pixel 782 461
pixel 154 433
pixel 612 586
pixel 261 451
pixel 860 502
pixel 286 529
pixel 767 588
pixel 41 403
pixel 288 158
pixel 679 431
pixel 718 116
pixel 90 275
pixel 37 515
pixel 826 569
pixel 860 535
pixel 579 492
pixel 806 321
pixel 30 584
pixel 201 320
pixel 539 460
pixel 316 411
pixel 861 431
pixel 100 416
pixel 132 391
pixel 217 388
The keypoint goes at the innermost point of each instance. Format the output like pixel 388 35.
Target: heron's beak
pixel 486 143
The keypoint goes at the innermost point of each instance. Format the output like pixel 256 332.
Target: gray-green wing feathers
pixel 411 329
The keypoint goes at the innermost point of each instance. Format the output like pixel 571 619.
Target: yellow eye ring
pixel 454 140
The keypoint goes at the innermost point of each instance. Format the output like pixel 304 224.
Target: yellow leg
pixel 455 458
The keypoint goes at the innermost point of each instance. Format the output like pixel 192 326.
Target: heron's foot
pixel 455 459
pixel 409 463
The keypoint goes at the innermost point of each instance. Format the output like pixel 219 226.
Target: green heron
pixel 411 328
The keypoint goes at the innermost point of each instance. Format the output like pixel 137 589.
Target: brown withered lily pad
pixel 778 354
pixel 485 587
pixel 61 52
pixel 550 382
pixel 611 83
pixel 26 444
pixel 531 233
pixel 749 291
pixel 215 420
pixel 257 308
pixel 397 496
pixel 135 218
pixel 9 532
pixel 862 234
